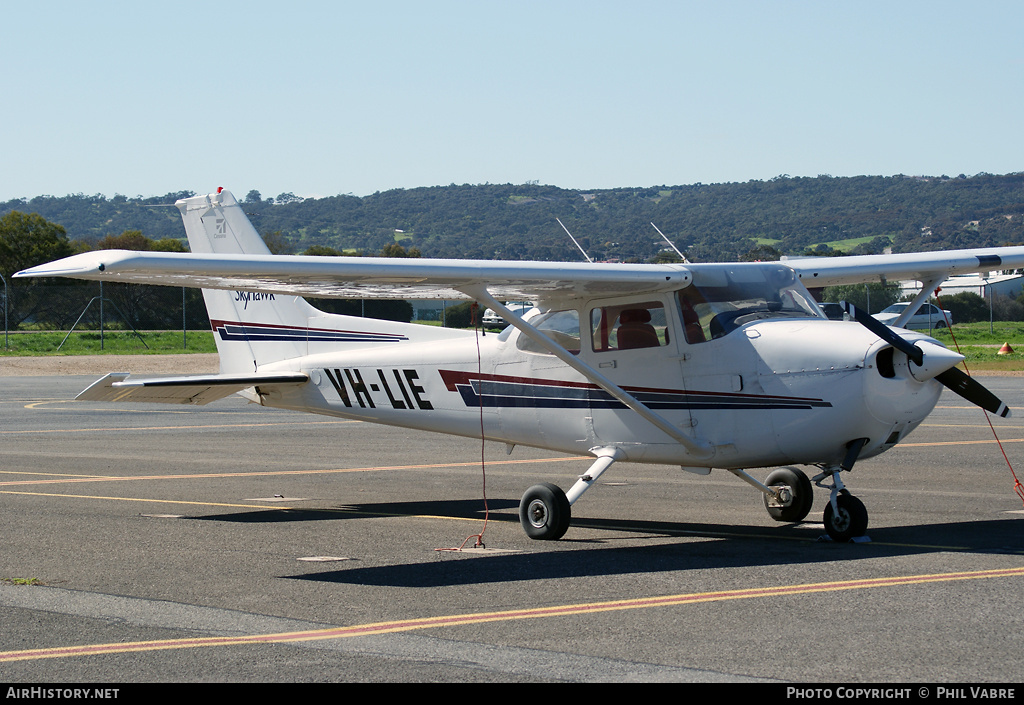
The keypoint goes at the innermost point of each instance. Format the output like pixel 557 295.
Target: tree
pixel 25 241
pixel 386 309
pixel 881 295
pixel 278 244
pixel 461 315
pixel 323 251
pixel 393 249
pixel 762 253
pixel 128 240
pixel 966 307
pixel 28 240
pixel 146 305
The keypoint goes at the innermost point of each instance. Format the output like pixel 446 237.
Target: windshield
pixel 724 297
pixel 895 308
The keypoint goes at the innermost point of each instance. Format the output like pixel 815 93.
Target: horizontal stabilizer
pixel 193 389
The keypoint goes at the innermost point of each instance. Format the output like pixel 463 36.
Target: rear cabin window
pixel 629 326
pixel 561 326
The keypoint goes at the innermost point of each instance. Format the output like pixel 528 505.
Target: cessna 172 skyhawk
pixel 729 366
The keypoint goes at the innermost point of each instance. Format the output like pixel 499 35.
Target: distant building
pixel 1003 284
pixel 429 309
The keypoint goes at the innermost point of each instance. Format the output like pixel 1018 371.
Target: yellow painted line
pixel 1001 425
pixel 142 499
pixel 172 428
pixel 271 473
pixel 960 443
pixel 48 474
pixel 456 620
pixel 231 505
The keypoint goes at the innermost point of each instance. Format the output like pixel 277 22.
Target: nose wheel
pixel 847 520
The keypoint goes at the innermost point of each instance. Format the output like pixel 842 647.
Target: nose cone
pixel 935 359
pixel 899 392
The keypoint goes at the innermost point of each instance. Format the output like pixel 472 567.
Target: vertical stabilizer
pixel 254 328
pixel 250 328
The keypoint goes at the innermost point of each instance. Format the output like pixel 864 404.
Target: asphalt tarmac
pixel 234 543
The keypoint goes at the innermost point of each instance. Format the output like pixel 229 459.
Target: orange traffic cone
pixel 1005 350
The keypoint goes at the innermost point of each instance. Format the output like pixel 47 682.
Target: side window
pixel 640 325
pixel 561 326
pixel 691 307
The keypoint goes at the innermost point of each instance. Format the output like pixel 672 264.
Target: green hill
pixel 791 215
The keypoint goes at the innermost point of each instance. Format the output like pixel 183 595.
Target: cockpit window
pixel 724 297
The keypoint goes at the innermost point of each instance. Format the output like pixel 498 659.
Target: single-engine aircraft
pixel 729 366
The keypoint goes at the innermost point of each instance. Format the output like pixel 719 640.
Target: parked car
pixel 493 320
pixel 834 312
pixel 928 317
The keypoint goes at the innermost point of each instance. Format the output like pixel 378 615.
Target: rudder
pixel 250 328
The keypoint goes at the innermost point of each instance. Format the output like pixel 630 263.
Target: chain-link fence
pixel 42 305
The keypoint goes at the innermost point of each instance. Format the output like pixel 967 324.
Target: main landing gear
pixel 789 498
pixel 545 511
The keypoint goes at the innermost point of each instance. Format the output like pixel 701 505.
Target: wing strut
pixel 927 289
pixel 698 450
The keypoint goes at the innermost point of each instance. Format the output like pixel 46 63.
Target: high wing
pixel 378 277
pixel 919 266
pixel 366 277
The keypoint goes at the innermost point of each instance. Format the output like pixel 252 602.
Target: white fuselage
pixel 769 393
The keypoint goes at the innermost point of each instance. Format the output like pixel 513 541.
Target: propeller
pixel 933 362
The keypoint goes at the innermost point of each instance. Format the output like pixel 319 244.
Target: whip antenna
pixel 671 244
pixel 574 241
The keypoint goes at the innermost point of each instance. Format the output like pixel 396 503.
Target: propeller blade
pixel 884 332
pixel 953 379
pixel 957 381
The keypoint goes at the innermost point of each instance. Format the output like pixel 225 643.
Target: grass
pixel 21 581
pixel 113 343
pixel 981 345
pixel 847 244
pixel 976 342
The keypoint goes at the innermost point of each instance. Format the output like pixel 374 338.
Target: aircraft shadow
pixel 724 546
pixel 736 551
pixel 461 508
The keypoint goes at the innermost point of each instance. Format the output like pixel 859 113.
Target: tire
pixel 851 520
pixel 801 495
pixel 544 512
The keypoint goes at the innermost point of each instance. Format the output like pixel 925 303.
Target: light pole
pixel 6 343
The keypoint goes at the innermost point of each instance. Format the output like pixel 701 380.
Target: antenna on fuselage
pixel 671 244
pixel 574 241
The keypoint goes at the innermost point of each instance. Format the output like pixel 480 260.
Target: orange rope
pixel 1017 486
pixel 475 308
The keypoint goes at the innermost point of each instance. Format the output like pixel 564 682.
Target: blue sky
pixel 322 98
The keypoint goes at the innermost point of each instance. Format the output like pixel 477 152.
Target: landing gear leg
pixel 545 511
pixel 845 517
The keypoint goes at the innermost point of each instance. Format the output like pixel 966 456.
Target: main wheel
pixel 800 495
pixel 544 512
pixel 850 521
